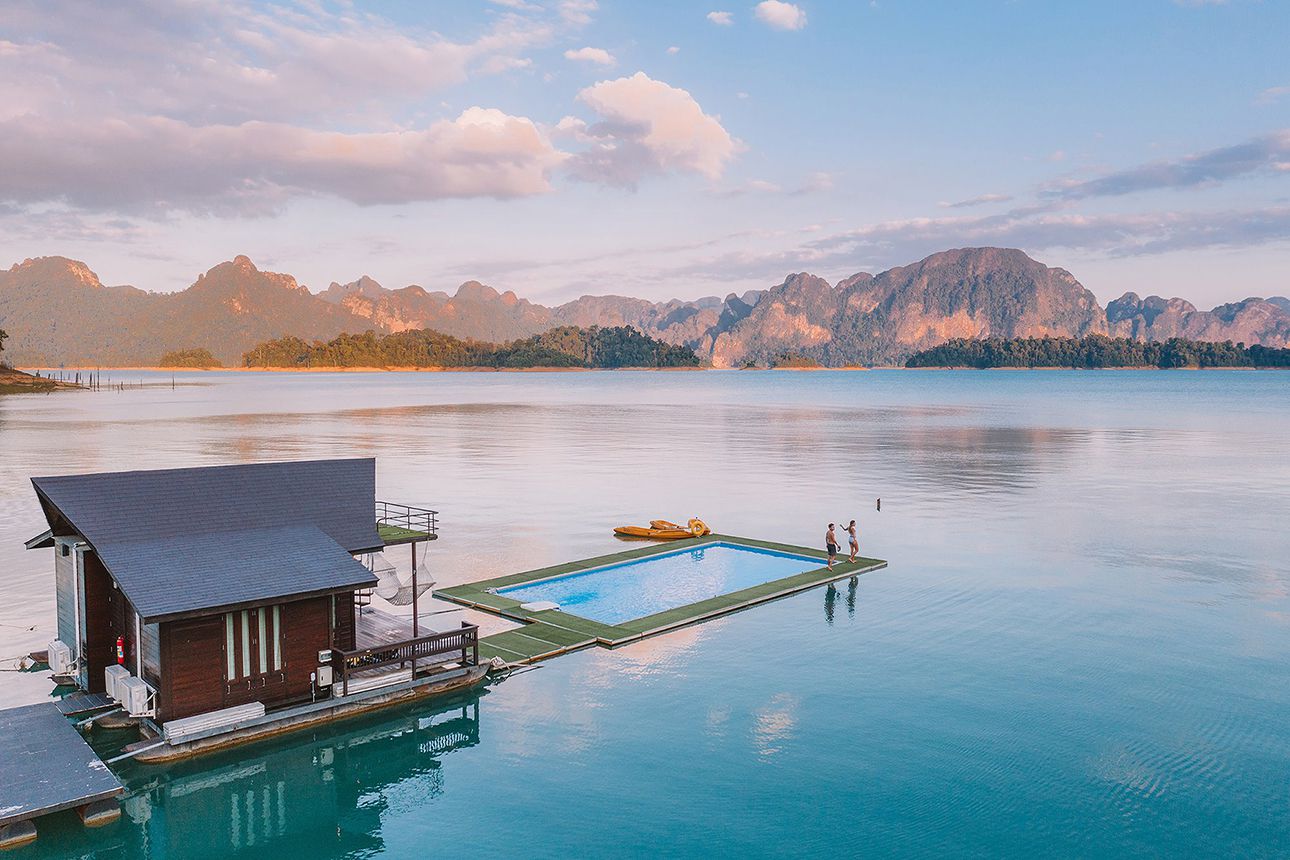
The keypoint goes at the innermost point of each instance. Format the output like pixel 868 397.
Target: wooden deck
pixel 375 627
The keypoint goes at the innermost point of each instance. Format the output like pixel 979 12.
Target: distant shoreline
pixel 367 369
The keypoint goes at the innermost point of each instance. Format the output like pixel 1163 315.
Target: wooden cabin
pixel 226 585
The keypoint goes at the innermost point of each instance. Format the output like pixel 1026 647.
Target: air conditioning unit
pixel 134 695
pixel 113 675
pixel 324 676
pixel 60 657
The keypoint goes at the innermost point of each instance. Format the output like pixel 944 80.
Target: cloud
pixel 159 164
pixel 225 63
pixel 979 200
pixel 1269 152
pixel 577 11
pixel 599 56
pixel 674 50
pixel 816 183
pixel 721 19
pixel 1272 94
pixel 1032 229
pixel 780 15
pixel 645 127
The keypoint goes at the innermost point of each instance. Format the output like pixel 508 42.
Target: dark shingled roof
pixel 185 540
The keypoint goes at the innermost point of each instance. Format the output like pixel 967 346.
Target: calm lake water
pixel 1079 649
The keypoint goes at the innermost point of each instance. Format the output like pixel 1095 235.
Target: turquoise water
pixel 634 589
pixel 1079 648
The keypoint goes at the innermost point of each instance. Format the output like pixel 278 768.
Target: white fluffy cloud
pixel 217 107
pixel 208 62
pixel 781 15
pixel 599 56
pixel 722 19
pixel 645 127
pixel 159 163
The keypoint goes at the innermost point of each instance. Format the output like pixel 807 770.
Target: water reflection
pixel 831 599
pixel 323 792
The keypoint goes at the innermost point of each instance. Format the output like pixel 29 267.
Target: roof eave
pixel 182 615
pixel 44 540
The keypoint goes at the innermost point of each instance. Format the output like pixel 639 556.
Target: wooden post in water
pixel 415 618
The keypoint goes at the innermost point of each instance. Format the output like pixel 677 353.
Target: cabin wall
pixel 195 657
pixel 192 653
pixel 343 621
pixel 65 594
pixel 97 632
pixel 308 631
pixel 152 654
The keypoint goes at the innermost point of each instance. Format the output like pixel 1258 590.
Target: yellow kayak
pixel 665 530
pixel 656 534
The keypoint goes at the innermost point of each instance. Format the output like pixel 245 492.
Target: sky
pixel 664 149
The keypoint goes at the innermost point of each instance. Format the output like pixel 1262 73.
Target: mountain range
pixel 57 312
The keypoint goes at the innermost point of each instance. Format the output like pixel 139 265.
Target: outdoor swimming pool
pixel 634 589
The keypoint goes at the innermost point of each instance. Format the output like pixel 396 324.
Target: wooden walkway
pixel 551 632
pixel 46 767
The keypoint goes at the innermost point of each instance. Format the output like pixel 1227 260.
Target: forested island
pixel 190 359
pixel 563 347
pixel 1096 351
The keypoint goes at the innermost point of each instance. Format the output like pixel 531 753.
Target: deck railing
pixel 407 517
pixel 463 642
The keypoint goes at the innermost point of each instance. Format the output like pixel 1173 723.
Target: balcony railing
pixel 405 520
pixel 455 646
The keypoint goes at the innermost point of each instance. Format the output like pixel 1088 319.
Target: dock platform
pixel 48 767
pixel 83 703
pixel 550 632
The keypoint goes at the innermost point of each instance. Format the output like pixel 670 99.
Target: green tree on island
pixel 566 346
pixel 195 358
pixel 1095 351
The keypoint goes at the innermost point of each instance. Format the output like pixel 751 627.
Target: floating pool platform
pixel 550 632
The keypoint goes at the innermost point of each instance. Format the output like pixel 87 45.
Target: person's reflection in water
pixel 851 596
pixel 830 600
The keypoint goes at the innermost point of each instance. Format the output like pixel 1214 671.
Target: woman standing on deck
pixel 831 543
pixel 855 541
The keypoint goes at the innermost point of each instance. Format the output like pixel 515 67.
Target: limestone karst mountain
pixel 58 313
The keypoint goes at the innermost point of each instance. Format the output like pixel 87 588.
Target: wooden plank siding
pixel 194 660
pixel 307 631
pixel 192 676
pixel 344 621
pixel 100 641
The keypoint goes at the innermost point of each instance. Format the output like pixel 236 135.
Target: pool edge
pixel 478 596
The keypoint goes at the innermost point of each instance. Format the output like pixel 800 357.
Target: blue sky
pixel 563 147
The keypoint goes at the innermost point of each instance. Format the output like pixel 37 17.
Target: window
pixel 252 642
pixel 230 670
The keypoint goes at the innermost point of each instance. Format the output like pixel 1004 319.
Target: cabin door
pixel 253 664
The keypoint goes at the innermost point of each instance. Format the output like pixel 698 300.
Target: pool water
pixel 634 589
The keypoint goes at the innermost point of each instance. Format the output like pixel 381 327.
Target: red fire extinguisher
pixel 120 650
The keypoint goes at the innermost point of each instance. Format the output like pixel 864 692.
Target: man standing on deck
pixel 831 543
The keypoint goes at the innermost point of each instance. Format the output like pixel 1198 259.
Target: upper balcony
pixel 401 524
